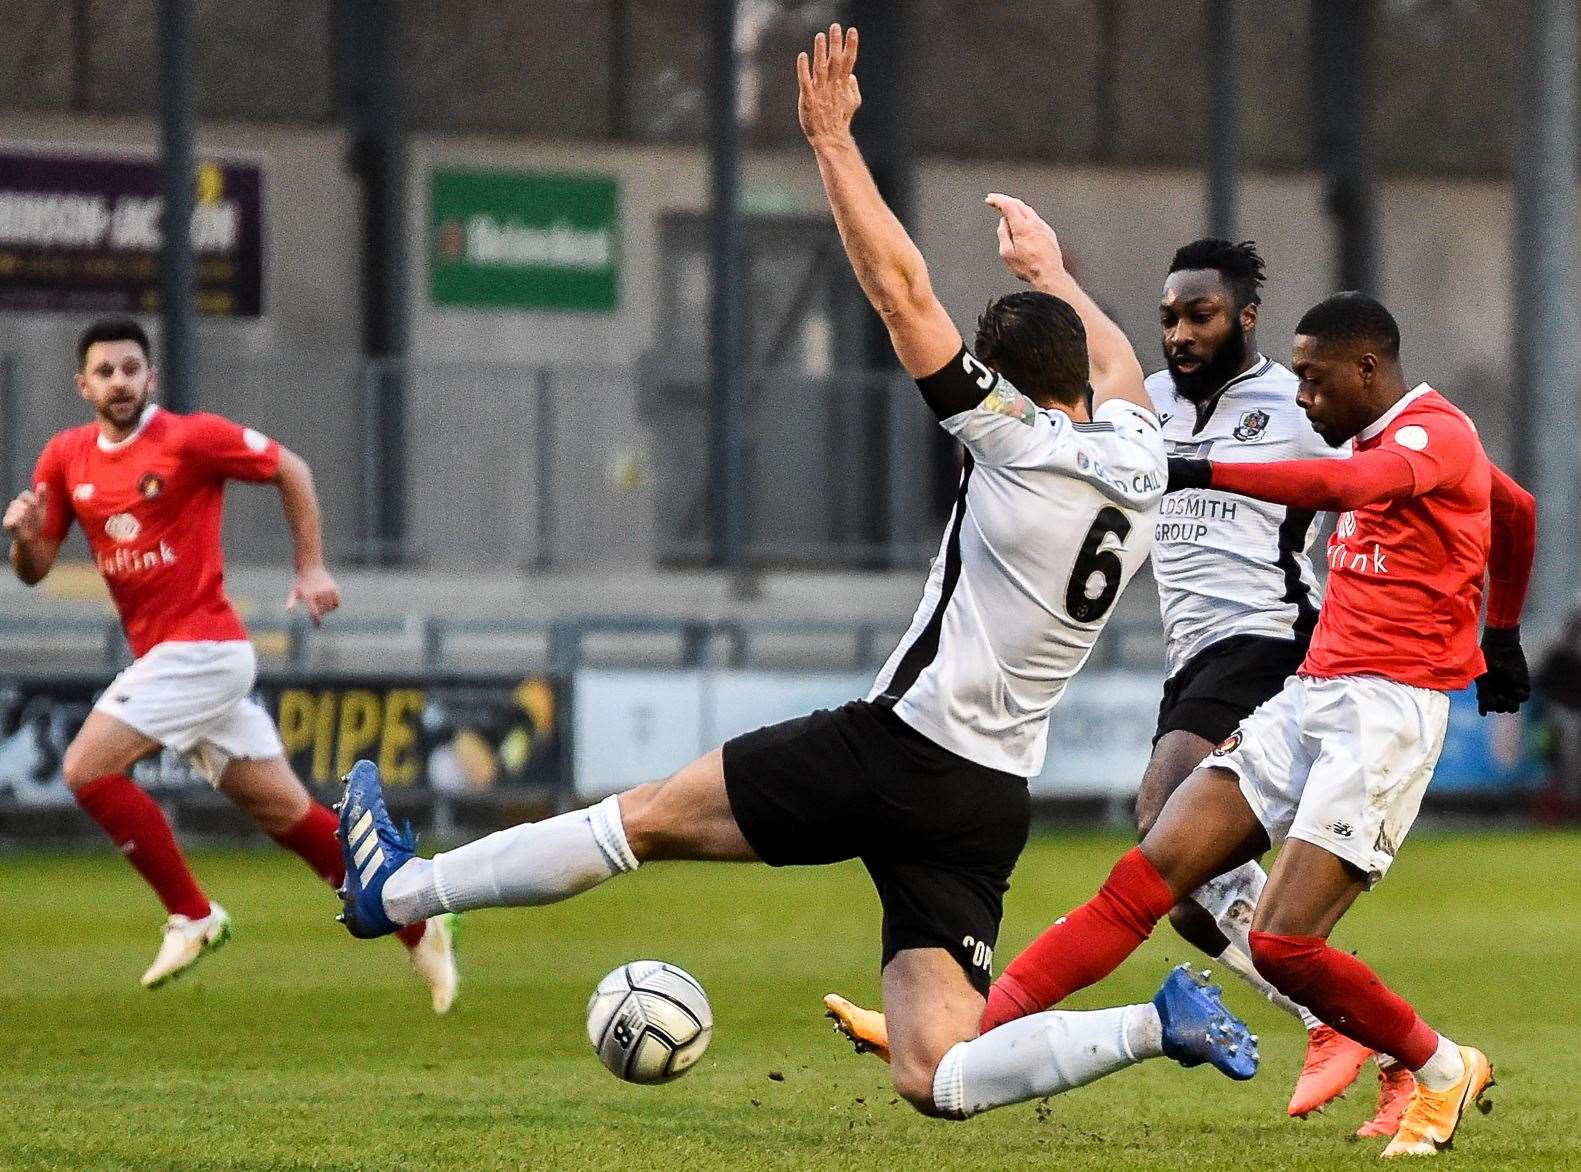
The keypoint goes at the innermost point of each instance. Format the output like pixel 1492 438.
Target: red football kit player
pixel 147 487
pixel 1336 764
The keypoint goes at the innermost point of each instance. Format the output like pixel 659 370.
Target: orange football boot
pixel 1395 1085
pixel 865 1028
pixel 1332 1064
pixel 1432 1117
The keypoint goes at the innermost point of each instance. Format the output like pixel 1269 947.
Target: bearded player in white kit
pixel 924 780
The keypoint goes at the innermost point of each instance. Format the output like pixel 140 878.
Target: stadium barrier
pixel 466 748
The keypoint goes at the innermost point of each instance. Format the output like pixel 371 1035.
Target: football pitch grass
pixel 296 1047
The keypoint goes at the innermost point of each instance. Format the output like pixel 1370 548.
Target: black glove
pixel 1187 473
pixel 1505 686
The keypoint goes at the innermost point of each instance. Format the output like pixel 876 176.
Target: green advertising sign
pixel 517 240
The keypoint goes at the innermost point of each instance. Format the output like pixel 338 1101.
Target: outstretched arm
pixel 1328 486
pixel 1031 251
pixel 314 587
pixel 887 264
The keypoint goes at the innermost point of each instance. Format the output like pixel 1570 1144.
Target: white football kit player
pixel 1051 521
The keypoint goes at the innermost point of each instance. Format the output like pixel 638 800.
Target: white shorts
pixel 196 698
pixel 1341 763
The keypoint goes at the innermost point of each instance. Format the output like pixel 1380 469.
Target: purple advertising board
pixel 82 233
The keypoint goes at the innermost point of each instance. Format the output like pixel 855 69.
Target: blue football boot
pixel 1198 1029
pixel 372 849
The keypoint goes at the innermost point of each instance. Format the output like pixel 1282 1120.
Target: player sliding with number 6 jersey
pixel 147 486
pixel 925 779
pixel 1235 586
pixel 1336 764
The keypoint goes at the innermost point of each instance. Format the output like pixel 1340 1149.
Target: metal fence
pixel 560 467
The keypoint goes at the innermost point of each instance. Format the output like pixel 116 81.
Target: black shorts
pixel 938 833
pixel 1221 685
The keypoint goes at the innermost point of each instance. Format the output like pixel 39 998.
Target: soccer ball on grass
pixel 649 1021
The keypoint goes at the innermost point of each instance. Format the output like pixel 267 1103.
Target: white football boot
pixel 434 959
pixel 186 942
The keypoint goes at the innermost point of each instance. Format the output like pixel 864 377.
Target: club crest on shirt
pixel 1252 426
pixel 151 485
pixel 82 492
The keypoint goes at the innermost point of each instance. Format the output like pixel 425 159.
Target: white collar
pixel 142 422
pixel 1376 428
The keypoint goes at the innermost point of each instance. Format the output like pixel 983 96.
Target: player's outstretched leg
pixel 388 885
pixel 272 795
pixel 686 816
pixel 1057 1050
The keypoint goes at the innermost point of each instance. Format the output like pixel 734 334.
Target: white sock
pixel 534 863
pixel 1044 1054
pixel 1231 899
pixel 1444 1069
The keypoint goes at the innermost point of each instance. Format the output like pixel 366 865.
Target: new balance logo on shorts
pixel 1340 828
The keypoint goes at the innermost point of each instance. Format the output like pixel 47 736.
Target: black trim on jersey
pixel 1208 406
pixel 1094 426
pixel 1292 536
pixel 925 649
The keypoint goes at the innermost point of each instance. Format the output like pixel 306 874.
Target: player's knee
pixel 78 768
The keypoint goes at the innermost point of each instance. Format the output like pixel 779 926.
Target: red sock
pixel 1345 994
pixel 313 837
pixel 1084 946
pixel 138 828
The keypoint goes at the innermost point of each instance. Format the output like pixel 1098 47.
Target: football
pixel 649 1021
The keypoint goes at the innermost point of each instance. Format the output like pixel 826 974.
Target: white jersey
pixel 1051 521
pixel 1226 564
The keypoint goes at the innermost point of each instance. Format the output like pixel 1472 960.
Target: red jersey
pixel 1405 575
pixel 150 507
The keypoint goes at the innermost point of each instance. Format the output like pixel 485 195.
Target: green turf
pixel 297 1048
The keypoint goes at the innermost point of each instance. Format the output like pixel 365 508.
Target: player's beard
pixel 1200 385
pixel 121 413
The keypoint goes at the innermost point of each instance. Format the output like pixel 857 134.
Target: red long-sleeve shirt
pixel 1424 517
